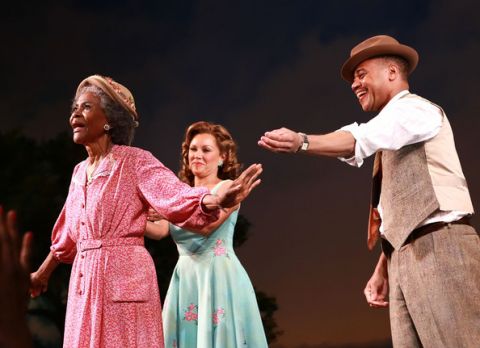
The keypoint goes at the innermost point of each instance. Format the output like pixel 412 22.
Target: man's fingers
pixel 378 304
pixel 274 134
pixel 272 148
pixel 278 145
pixel 367 292
pixel 278 142
pixel 374 299
pixel 282 134
pixel 266 146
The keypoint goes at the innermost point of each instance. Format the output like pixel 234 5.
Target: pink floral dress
pixel 113 298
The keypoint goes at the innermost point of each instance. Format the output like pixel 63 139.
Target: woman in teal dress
pixel 211 301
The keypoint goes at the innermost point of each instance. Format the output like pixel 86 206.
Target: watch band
pixel 305 143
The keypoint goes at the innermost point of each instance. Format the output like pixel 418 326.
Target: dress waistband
pixel 216 247
pixel 89 244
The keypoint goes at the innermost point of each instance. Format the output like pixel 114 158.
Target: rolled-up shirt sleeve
pixel 402 122
pixel 356 160
pixel 176 201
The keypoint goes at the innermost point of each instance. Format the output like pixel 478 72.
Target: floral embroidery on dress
pixel 219 249
pixel 218 315
pixel 191 313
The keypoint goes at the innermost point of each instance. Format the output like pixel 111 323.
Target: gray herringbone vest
pixel 419 179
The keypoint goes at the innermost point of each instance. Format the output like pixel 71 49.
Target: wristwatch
pixel 305 143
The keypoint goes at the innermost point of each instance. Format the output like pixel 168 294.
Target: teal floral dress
pixel 210 301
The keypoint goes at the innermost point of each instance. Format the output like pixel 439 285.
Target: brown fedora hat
pixel 380 45
pixel 115 90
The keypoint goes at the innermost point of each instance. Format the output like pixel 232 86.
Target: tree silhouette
pixel 34 180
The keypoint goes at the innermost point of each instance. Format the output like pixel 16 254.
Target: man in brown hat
pixel 429 268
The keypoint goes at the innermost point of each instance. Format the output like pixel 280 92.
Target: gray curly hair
pixel 122 124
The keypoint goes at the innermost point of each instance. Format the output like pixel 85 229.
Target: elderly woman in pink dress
pixel 113 298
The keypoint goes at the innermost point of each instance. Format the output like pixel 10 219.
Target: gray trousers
pixel 435 290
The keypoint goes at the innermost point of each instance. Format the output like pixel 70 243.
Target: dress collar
pixel 104 168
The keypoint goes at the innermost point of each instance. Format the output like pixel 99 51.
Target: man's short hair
pixel 401 62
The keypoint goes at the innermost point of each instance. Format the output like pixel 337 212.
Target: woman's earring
pixel 106 127
pixel 220 163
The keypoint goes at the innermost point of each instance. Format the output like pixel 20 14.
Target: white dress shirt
pixel 403 121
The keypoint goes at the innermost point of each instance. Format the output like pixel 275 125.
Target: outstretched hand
pixel 241 187
pixel 14 270
pixel 281 140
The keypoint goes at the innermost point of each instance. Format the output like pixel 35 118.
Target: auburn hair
pixel 227 146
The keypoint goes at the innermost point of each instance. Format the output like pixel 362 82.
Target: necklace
pixel 90 173
pixel 91 168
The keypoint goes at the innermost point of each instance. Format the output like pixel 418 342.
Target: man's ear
pixel 393 72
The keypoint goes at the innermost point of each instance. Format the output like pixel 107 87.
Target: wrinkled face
pixel 370 84
pixel 204 156
pixel 87 119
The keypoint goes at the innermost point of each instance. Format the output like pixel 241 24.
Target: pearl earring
pixel 220 163
pixel 106 127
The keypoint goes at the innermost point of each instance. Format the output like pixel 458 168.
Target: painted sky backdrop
pixel 254 66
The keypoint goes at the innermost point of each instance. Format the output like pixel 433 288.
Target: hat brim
pixel 404 51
